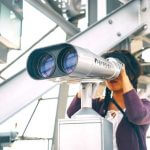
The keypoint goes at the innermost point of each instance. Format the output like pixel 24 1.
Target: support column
pixel 60 113
pixel 92 11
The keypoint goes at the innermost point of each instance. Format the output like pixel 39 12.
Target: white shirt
pixel 114 117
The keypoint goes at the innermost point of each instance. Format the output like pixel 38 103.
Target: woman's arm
pixel 74 106
pixel 138 111
pixel 127 86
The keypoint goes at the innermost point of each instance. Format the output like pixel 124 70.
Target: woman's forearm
pixel 127 86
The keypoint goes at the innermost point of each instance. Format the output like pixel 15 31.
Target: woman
pixel 130 125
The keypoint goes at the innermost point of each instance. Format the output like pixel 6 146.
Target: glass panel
pixel 20 91
pixel 42 124
pixel 18 122
pixel 10 27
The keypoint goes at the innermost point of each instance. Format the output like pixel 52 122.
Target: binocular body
pixel 70 62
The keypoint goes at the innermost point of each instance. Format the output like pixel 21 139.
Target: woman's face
pixel 115 85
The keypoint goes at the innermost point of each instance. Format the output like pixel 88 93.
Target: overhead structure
pixel 120 24
pixel 46 9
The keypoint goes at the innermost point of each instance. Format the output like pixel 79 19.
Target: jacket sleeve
pixel 76 105
pixel 137 110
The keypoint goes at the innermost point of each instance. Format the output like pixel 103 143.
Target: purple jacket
pixel 137 111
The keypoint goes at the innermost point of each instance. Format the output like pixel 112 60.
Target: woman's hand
pixel 123 75
pixel 127 86
pixel 79 94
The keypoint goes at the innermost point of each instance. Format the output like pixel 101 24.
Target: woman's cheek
pixel 114 86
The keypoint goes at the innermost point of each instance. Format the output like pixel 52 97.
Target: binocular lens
pixel 46 66
pixel 69 61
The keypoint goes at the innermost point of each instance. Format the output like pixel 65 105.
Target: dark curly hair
pixel 132 67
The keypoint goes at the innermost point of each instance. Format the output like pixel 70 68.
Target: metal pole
pixel 86 96
pixel 60 114
pixel 87 91
pixel 92 11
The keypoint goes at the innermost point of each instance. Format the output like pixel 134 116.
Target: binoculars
pixel 71 62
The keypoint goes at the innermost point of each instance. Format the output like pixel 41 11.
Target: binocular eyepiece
pixel 67 60
pixel 54 61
